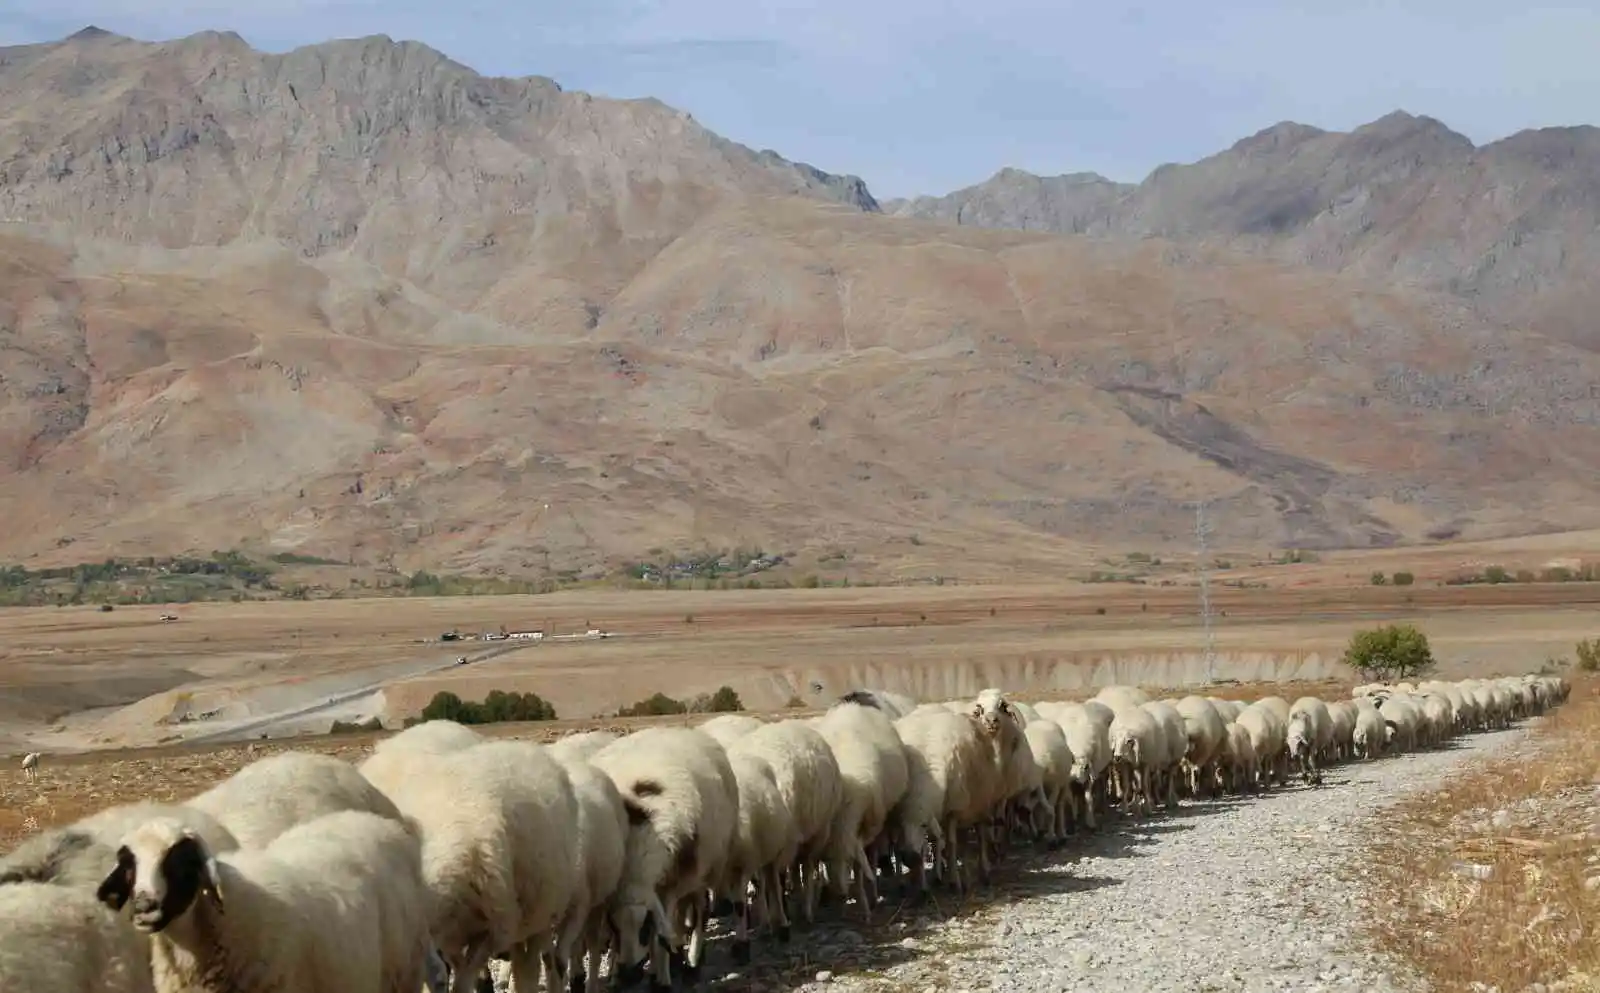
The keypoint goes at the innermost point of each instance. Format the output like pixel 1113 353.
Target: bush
pixel 1404 579
pixel 1589 655
pixel 1379 579
pixel 1394 651
pixel 351 727
pixel 497 707
pixel 723 701
pixel 654 706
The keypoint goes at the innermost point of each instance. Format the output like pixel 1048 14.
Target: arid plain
pixel 79 679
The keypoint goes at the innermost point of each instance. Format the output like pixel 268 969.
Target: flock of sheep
pixel 447 854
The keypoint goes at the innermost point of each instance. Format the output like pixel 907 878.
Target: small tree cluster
pixel 498 706
pixel 723 701
pixel 1394 651
pixel 351 727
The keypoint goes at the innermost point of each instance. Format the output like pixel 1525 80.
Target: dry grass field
pixel 125 705
pixel 1493 881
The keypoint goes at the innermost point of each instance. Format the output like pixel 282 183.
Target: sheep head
pixel 990 709
pixel 162 867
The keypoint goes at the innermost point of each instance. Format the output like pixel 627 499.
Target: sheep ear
pixel 115 889
pixel 212 886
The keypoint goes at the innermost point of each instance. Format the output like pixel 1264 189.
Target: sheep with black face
pixel 334 905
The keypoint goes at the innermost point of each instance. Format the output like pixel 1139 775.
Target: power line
pixel 1202 531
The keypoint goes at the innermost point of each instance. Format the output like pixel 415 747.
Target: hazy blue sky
pixel 922 96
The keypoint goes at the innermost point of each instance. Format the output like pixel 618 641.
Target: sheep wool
pixel 77 855
pixel 59 939
pixel 272 795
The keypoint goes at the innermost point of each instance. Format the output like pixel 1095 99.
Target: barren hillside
pixel 1512 227
pixel 359 302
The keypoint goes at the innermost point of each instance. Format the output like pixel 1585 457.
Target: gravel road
pixel 1217 896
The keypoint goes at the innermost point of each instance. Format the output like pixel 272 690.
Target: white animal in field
pixel 30 766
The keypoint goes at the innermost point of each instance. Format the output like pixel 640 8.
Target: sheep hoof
pixel 578 982
pixel 741 953
pixel 656 986
pixel 691 971
pixel 785 933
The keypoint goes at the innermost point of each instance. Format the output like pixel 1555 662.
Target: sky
pixel 926 96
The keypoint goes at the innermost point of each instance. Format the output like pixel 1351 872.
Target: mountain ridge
pixel 360 302
pixel 1509 226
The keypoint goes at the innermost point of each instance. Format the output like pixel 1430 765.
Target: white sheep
pixel 893 705
pixel 59 939
pixel 1239 759
pixel 999 721
pixel 953 783
pixel 1054 761
pixel 1308 736
pixel 1172 731
pixel 683 809
pixel 807 774
pixel 763 843
pixel 601 835
pixel 1116 695
pixel 30 766
pixel 1087 733
pixel 272 795
pixel 1369 735
pixel 1268 741
pixel 872 771
pixel 1206 732
pixel 334 905
pixel 428 738
pixel 77 854
pixel 581 745
pixel 727 728
pixel 1342 718
pixel 498 850
pixel 1403 721
pixel 1136 742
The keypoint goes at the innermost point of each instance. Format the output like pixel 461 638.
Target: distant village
pixel 530 635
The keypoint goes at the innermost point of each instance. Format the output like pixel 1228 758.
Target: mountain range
pixel 358 301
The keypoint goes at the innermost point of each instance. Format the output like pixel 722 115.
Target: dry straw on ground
pixel 1493 881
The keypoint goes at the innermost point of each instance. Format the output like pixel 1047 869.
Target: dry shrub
pixel 1486 881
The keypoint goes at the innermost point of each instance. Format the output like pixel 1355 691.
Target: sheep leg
pixel 952 857
pixel 866 888
pixel 740 951
pixel 695 948
pixel 464 972
pixel 777 915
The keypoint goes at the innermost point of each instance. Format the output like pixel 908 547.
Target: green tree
pixel 1394 651
pixel 445 706
pixel 1404 579
pixel 655 706
pixel 1379 579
